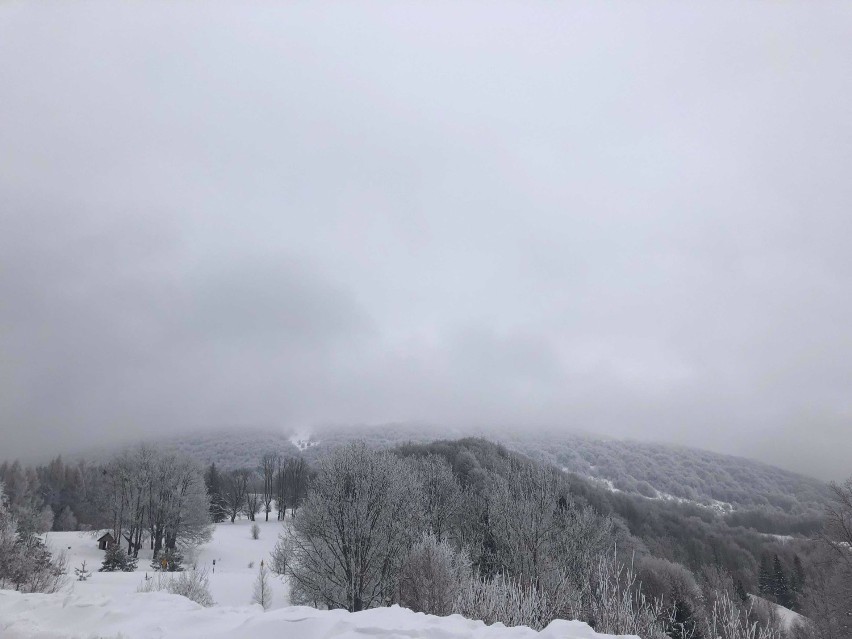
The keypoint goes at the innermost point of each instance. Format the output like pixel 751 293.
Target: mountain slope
pixel 656 471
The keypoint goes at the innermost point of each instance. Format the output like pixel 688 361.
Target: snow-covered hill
pixel 108 605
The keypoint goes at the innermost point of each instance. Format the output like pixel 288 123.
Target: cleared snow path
pixel 159 615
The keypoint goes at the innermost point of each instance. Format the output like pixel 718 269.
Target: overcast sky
pixel 626 218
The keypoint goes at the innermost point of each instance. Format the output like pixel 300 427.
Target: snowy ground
pixel 230 582
pixel 107 606
pixel 788 618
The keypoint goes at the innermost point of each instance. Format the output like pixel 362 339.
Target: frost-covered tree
pixel 262 591
pixel 213 482
pixel 827 593
pixel 297 479
pixel 253 499
pixel 432 575
pixel 234 489
pixel 159 496
pixel 26 563
pixel 355 529
pixel 281 554
pixel 528 510
pixel 441 493
pixel 270 464
pixel 66 520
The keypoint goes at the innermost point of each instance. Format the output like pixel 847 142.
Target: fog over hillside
pixel 631 220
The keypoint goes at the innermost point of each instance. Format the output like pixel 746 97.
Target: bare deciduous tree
pixel 270 464
pixel 297 479
pixel 441 493
pixel 234 489
pixel 356 527
pixel 252 503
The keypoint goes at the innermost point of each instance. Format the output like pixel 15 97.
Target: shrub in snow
pixel 726 620
pixel 255 531
pixel 505 600
pixel 192 584
pixel 168 560
pixel 616 604
pixel 116 560
pixel 431 576
pixel 82 573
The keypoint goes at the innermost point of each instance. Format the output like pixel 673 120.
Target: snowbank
pixel 136 616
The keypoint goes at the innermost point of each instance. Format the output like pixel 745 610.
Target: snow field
pixel 232 547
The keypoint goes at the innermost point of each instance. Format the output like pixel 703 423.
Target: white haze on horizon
pixel 625 219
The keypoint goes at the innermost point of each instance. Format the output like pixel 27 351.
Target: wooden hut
pixel 106 541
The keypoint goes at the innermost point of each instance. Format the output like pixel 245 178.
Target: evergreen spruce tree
pixel 82 573
pixel 765 580
pixel 117 560
pixel 214 489
pixel 781 588
pixel 798 573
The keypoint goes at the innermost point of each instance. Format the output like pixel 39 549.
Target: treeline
pixel 278 480
pixel 467 527
pixel 650 469
pixel 702 539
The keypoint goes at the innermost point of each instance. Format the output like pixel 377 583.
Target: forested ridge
pixel 648 469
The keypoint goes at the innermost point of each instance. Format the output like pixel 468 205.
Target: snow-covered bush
pixel 255 531
pixel 616 604
pixel 505 600
pixel 192 584
pixel 432 575
pixel 727 620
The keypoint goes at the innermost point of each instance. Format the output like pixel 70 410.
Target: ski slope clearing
pixel 231 579
pixel 164 616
